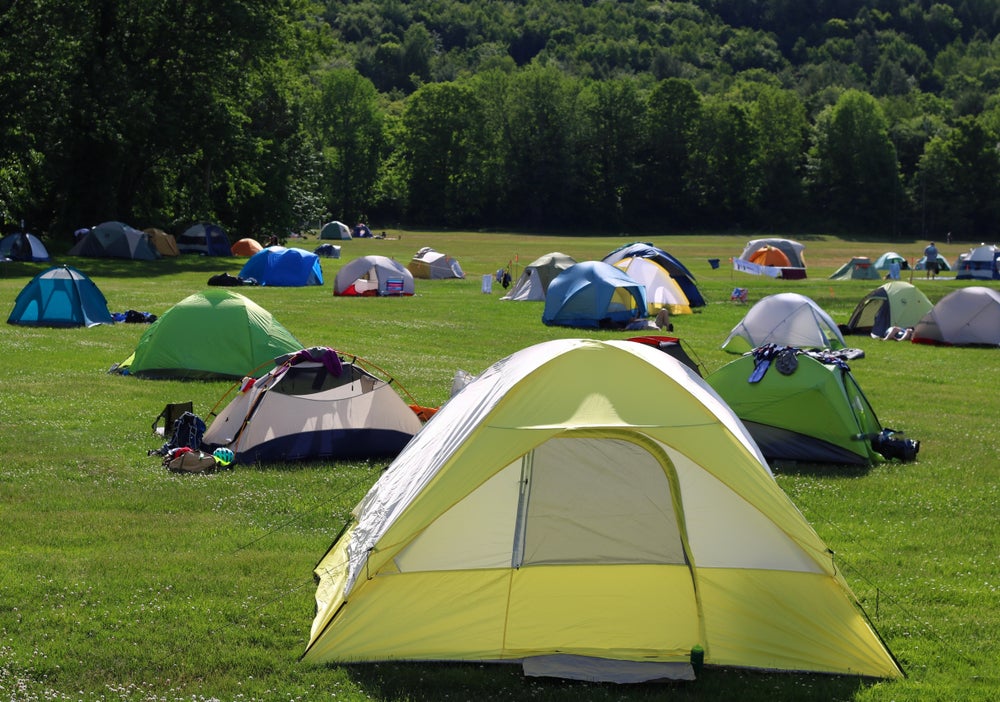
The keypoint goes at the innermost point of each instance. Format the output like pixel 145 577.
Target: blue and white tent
pixel 676 269
pixel 281 267
pixel 60 297
pixel 592 295
pixel 205 239
pixel 23 247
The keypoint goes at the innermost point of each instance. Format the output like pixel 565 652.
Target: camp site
pixel 570 515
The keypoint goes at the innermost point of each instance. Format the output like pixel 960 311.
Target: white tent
pixel 534 280
pixel 792 250
pixel 373 275
pixel 662 291
pixel 584 520
pixel 965 317
pixel 335 230
pixel 314 404
pixel 428 263
pixel 785 319
pixel 981 263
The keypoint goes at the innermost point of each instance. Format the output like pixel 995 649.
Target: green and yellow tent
pixel 579 521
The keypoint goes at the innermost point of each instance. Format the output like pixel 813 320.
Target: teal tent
pixel 60 297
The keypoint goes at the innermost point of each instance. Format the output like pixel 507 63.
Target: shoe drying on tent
pixel 965 317
pixel 280 267
pixel 428 263
pixel 533 283
pixel 592 295
pixel 314 404
pixel 568 518
pixel 785 319
pixel 60 297
pixel 895 304
pixel 371 276
pixel 215 334
pixel 802 407
pixel 674 268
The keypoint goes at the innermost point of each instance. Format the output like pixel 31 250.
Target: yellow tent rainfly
pixel 590 525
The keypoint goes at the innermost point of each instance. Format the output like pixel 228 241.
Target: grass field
pixel 122 581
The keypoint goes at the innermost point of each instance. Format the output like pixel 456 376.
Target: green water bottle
pixel 697 659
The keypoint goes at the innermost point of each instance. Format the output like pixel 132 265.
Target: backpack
pixel 188 431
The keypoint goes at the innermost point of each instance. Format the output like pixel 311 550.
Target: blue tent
pixel 676 269
pixel 281 267
pixel 24 247
pixel 593 294
pixel 60 297
pixel 205 239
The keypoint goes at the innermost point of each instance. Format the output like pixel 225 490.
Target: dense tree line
pixel 878 116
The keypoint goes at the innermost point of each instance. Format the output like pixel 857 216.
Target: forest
pixel 859 117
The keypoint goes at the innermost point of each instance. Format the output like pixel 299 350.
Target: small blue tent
pixel 60 297
pixel 676 269
pixel 205 239
pixel 281 267
pixel 593 294
pixel 21 246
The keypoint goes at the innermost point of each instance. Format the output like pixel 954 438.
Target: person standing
pixel 931 260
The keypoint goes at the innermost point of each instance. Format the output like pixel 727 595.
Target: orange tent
pixel 770 256
pixel 246 247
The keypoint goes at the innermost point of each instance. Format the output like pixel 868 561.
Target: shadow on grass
pixel 432 682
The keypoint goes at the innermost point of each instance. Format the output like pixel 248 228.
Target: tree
pixel 853 174
pixel 723 163
pixel 781 128
pixel 442 123
pixel 347 119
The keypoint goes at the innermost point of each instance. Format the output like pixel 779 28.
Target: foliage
pixel 273 116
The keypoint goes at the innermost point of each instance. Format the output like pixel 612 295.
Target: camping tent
pixel 777 258
pixel 281 267
pixel 205 239
pixel 858 268
pixel 669 345
pixel 534 280
pixel 560 515
pixel 373 275
pixel 21 246
pixel 895 304
pixel 314 404
pixel 165 244
pixel 785 319
pixel 965 317
pixel 943 264
pixel 60 297
pixel 428 263
pixel 361 231
pixel 662 291
pixel 815 413
pixel 327 251
pixel 885 261
pixel 215 334
pixel 115 240
pixel 593 294
pixel 246 248
pixel 676 269
pixel 335 230
pixel 980 264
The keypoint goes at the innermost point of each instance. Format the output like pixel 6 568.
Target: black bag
pixel 188 432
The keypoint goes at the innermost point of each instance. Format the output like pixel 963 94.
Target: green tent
pixel 858 268
pixel 215 334
pixel 895 304
pixel 815 412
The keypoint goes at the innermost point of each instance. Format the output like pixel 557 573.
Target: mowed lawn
pixel 122 581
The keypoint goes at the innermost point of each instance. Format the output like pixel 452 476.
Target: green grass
pixel 122 581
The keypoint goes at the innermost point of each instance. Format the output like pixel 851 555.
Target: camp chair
pixel 170 414
pixel 739 295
